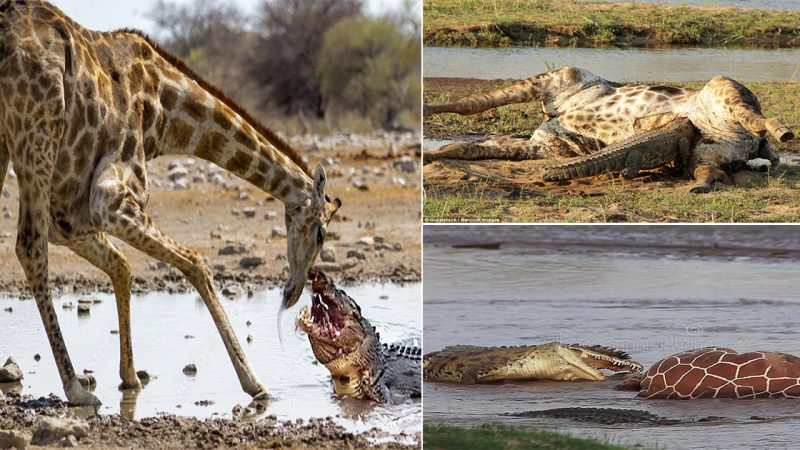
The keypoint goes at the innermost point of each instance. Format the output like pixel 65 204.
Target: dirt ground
pixel 510 191
pixel 375 237
pixel 206 209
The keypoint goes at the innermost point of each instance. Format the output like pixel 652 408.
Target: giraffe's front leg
pixel 136 228
pixel 101 253
pixel 32 254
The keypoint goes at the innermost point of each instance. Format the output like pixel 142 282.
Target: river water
pixel 616 64
pixel 161 323
pixel 652 291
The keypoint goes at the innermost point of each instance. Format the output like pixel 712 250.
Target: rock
pixel 52 429
pixel 232 291
pixel 357 254
pixel 243 195
pixel 68 442
pixel 143 375
pixel 215 235
pixel 251 262
pixel 272 215
pixel 14 439
pixel 190 370
pixel 249 212
pixel 10 372
pixel 177 173
pixel 405 164
pixel 232 250
pixel 366 241
pixel 86 380
pixel 67 305
pixel 327 255
pixel 278 232
pixel 37 357
pixel 249 338
pixel 84 309
pixel 9 310
pixel 114 331
pixel 359 184
pixel 378 239
pixel 397 247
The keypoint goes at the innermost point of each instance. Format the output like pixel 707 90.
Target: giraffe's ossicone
pixel 81 112
pixel 714 372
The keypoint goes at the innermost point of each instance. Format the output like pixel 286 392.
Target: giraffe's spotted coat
pixel 723 373
pixel 81 113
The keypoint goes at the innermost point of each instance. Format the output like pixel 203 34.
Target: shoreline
pixel 568 24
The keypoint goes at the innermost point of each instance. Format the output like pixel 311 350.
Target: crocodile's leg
pixel 704 175
pixel 633 164
pixel 684 154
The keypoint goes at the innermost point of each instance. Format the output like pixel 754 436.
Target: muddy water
pixel 161 323
pixel 625 65
pixel 651 291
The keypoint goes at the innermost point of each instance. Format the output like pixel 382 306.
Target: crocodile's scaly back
pixel 646 150
pixel 554 361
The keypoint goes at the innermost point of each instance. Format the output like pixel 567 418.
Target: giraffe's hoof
pixel 78 396
pixel 700 189
pixel 263 395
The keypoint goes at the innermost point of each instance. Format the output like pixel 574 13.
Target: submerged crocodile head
pixel 341 339
pixel 599 357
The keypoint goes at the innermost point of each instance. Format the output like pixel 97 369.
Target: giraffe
pixel 81 113
pixel 714 372
pixel 585 113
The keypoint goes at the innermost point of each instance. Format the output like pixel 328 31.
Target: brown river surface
pixel 651 291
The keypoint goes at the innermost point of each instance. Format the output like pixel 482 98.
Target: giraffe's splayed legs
pixel 121 216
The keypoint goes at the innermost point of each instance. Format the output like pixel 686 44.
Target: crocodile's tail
pixel 614 157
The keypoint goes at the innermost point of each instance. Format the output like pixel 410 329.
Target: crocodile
pixel 584 114
pixel 553 361
pixel 642 151
pixel 349 347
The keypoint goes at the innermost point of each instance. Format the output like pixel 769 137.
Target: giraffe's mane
pixel 273 137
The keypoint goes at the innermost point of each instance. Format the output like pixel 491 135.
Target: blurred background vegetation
pixel 304 66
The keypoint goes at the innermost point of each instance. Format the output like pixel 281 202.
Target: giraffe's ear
pixel 320 179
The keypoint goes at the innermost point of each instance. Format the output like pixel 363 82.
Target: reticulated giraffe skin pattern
pixel 585 113
pixel 81 112
pixel 723 373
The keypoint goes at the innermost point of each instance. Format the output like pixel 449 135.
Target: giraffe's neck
pixel 195 122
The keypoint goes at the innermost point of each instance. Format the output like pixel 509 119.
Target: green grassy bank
pixel 497 437
pixel 503 23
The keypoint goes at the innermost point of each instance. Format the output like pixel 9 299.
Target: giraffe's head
pixel 306 228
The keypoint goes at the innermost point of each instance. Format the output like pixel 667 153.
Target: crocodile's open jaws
pixel 553 361
pixel 350 348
